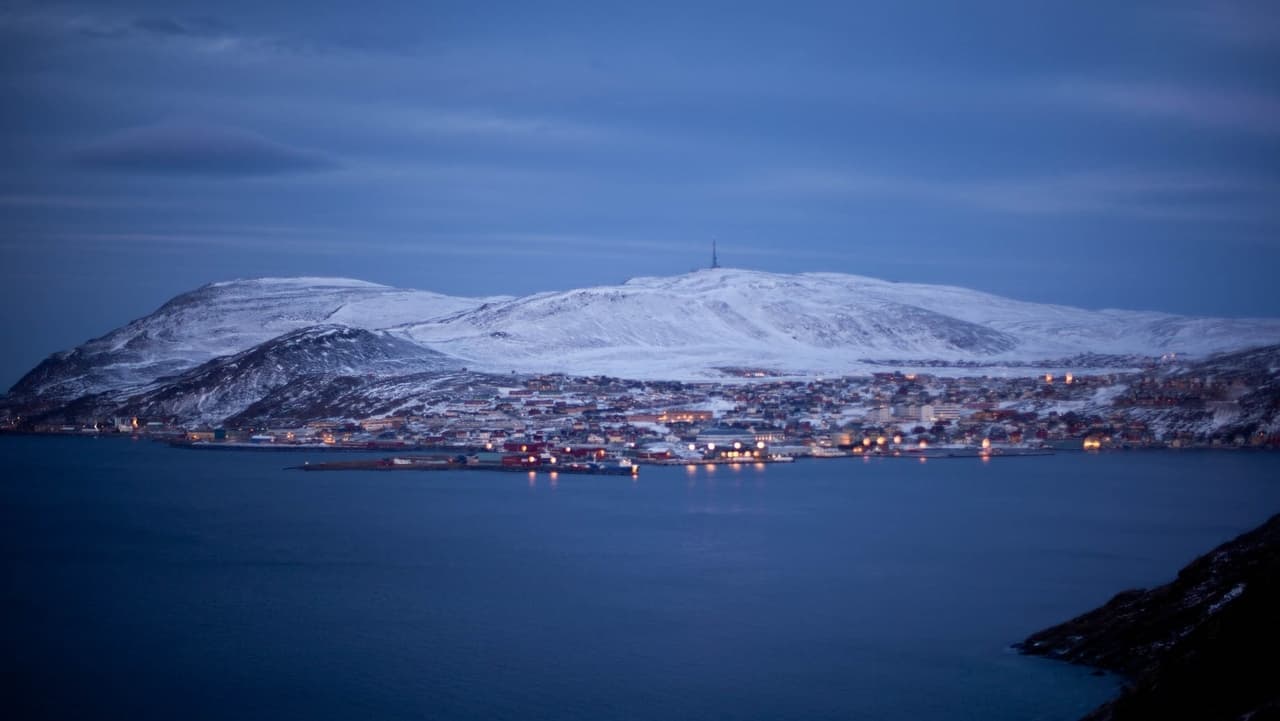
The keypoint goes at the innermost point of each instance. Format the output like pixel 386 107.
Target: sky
pixel 1096 154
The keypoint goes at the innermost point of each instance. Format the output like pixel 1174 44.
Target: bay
pixel 149 582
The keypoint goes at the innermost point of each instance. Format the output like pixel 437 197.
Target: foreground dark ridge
pixel 1202 647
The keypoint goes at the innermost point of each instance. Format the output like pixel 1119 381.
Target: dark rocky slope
pixel 1206 646
pixel 225 386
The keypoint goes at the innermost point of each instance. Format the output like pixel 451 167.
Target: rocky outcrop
pixel 1204 646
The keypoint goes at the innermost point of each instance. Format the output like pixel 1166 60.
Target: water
pixel 147 582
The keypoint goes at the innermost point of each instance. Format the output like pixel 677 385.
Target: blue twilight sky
pixel 1099 154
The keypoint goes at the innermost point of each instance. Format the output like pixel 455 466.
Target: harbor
pixel 529 464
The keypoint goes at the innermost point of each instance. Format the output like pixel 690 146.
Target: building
pixel 940 412
pixel 685 416
pixel 722 436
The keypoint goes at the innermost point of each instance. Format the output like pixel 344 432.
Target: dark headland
pixel 1205 646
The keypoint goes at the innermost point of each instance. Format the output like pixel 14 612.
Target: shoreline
pixel 930 453
pixel 438 463
pixel 1188 648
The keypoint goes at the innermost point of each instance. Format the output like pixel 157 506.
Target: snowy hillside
pixel 681 327
pixel 221 319
pixel 349 397
pixel 686 325
pixel 225 386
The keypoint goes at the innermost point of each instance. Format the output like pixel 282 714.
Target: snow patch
pixel 1227 598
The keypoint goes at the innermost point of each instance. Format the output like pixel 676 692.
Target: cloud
pixel 1221 109
pixel 197 150
pixel 161 26
pixel 75 202
pixel 1153 196
pixel 1171 196
pixel 1244 24
pixel 116 28
pixel 193 27
pixel 485 124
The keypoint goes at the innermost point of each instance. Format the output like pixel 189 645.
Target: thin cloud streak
pixel 200 36
pixel 465 245
pixel 1235 111
pixel 202 150
pixel 341 242
pixel 1133 194
pixel 79 202
pixel 1249 25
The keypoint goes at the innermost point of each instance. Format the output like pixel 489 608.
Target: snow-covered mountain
pixel 226 386
pixel 218 349
pixel 222 319
pixel 682 326
pixel 349 397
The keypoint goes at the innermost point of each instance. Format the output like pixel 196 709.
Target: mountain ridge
pixel 680 327
pixel 822 322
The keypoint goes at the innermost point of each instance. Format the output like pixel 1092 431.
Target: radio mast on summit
pixel 715 262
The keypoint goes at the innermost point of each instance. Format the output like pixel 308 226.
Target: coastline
pixel 1190 648
pixel 367 447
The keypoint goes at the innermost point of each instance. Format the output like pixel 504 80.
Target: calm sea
pixel 147 582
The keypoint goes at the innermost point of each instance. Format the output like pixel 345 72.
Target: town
pixel 750 416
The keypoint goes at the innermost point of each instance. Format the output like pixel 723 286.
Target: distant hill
pixel 682 327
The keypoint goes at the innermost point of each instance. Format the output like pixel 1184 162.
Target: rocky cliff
pixel 1205 646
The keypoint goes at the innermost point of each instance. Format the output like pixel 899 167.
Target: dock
pixel 461 463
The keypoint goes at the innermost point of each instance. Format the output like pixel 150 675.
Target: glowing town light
pixel 1048 378
pixel 711 446
pixel 924 444
pixel 1070 379
pixel 897 438
pixel 866 441
pixel 737 445
pixel 881 441
pixel 533 459
pixel 760 445
pixel 553 460
pixel 986 443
